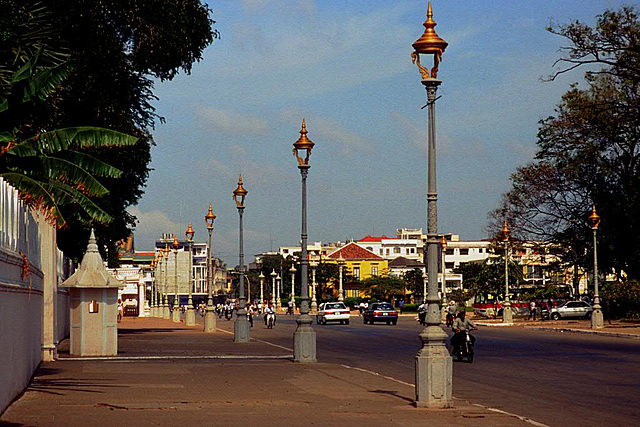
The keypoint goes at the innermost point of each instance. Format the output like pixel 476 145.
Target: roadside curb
pixel 585 331
pixel 494 324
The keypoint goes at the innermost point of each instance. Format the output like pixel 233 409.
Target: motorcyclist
pixel 460 326
pixel 269 310
pixel 422 313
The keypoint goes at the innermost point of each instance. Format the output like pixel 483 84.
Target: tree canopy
pixel 116 48
pixel 588 152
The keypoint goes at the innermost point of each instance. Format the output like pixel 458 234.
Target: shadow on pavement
pixel 394 394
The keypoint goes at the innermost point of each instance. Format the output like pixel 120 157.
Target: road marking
pixel 520 417
pixel 377 374
pixel 136 358
pixel 260 341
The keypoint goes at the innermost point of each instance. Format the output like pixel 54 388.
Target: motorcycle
pixel 466 348
pixel 422 316
pixel 449 319
pixel 271 320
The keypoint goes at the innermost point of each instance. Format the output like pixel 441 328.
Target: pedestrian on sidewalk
pixel 532 309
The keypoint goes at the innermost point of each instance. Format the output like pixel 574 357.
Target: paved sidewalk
pixel 615 328
pixel 209 380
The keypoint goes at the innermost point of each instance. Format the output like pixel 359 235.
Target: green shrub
pixel 410 308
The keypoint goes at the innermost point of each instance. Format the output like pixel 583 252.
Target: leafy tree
pixel 588 152
pixel 326 275
pixel 488 276
pixel 383 287
pixel 117 48
pixel 414 281
pixel 50 169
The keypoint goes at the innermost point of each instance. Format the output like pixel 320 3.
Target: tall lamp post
pixel 273 282
pixel 191 312
pixel 443 245
pixel 293 270
pixel 507 314
pixel 159 285
pixel 209 316
pixel 304 338
pixel 433 363
pixel 278 305
pixel 176 299
pixel 166 314
pixel 314 301
pixel 241 326
pixel 340 268
pixel 154 263
pixel 597 321
pixel 261 277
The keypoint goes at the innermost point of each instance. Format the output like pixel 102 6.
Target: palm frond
pixel 81 137
pixel 67 172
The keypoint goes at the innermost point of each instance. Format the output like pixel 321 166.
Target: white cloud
pixel 231 122
pixel 151 225
pixel 345 140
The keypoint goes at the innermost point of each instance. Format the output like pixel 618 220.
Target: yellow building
pixel 360 263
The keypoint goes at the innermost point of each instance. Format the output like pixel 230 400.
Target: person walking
pixel 532 309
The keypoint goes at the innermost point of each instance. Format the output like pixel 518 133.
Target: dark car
pixel 380 312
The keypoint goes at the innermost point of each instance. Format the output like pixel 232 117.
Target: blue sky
pixel 345 66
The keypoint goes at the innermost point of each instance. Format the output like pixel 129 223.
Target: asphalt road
pixel 551 377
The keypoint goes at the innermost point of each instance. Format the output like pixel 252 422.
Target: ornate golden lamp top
pixel 175 244
pixel 239 194
pixel 166 250
pixel 209 217
pixel 595 219
pixel 429 44
pixel 506 232
pixel 303 146
pixel 443 242
pixel 189 233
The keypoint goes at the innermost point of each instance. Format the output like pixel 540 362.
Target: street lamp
pixel 261 277
pixel 209 316
pixel 152 311
pixel 507 314
pixel 166 314
pixel 241 326
pixel 273 282
pixel 176 300
pixel 433 363
pixel 443 244
pixel 191 312
pixel 159 287
pixel 597 321
pixel 278 287
pixel 314 301
pixel 293 270
pixel 304 338
pixel 340 267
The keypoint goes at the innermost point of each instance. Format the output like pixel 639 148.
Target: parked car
pixel 380 312
pixel 333 312
pixel 572 309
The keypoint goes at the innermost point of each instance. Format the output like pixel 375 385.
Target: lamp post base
pixel 191 316
pixel 507 315
pixel 434 370
pixel 597 320
pixel 209 319
pixel 176 314
pixel 241 327
pixel 304 341
pixel 166 314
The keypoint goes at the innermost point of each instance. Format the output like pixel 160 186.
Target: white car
pixel 572 309
pixel 333 312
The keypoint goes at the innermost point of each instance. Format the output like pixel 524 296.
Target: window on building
pixel 464 251
pixel 374 270
pixel 369 248
pixel 380 251
pixel 449 265
pixel 387 251
pixel 412 250
pixel 396 250
pixel 449 251
pixel 356 273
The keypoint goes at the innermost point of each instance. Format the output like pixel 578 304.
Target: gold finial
pixel 239 194
pixel 210 217
pixel 431 44
pixel 303 146
pixel 595 219
pixel 189 233
pixel 506 232
pixel 443 242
